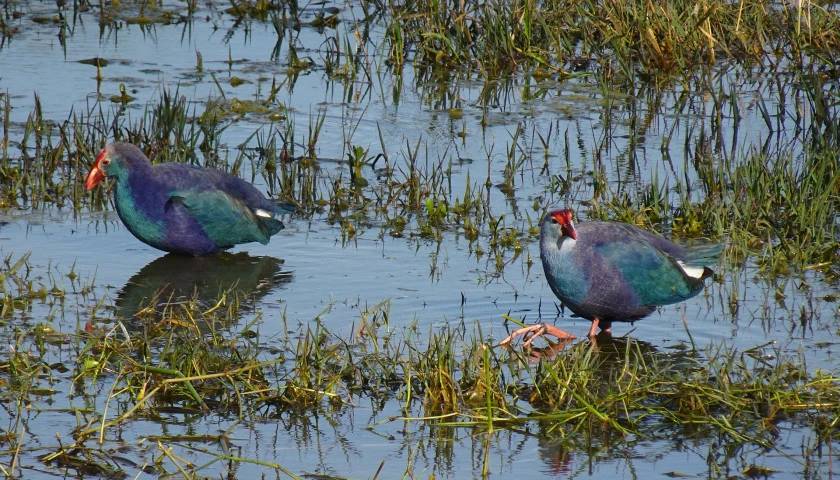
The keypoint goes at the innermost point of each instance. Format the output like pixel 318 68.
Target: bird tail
pixel 284 208
pixel 269 222
pixel 704 255
pixel 273 225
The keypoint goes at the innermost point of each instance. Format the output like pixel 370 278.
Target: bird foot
pixel 532 332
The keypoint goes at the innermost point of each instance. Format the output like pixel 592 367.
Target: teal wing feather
pixel 653 275
pixel 224 218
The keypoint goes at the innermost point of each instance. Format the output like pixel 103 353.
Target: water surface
pixel 312 270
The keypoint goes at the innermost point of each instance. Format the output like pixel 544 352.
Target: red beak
pixel 566 225
pixel 96 175
pixel 570 230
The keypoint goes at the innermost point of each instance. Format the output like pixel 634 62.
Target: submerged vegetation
pixel 702 120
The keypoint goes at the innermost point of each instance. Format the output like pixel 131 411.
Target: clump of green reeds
pixel 627 38
pixel 785 210
pixel 588 393
pixel 183 354
pixel 623 386
pixel 258 9
pixel 779 207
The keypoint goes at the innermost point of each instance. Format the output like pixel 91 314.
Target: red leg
pixel 604 325
pixel 593 329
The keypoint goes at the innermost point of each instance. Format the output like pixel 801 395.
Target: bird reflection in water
pixel 557 456
pixel 173 278
pixel 605 346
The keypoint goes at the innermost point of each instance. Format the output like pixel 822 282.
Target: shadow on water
pixel 174 278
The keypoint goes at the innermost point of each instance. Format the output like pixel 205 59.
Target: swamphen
pixel 181 208
pixel 614 272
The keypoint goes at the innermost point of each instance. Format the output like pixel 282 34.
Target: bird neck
pixel 567 244
pixel 140 219
pixel 139 203
pixel 561 267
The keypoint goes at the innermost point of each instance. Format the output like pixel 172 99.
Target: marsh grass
pixel 193 359
pixel 196 359
pixel 406 192
pixel 658 42
pixel 771 205
pixel 775 204
pixel 625 40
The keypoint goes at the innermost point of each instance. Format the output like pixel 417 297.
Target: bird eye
pixel 106 161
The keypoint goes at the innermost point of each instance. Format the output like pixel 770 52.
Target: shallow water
pixel 430 284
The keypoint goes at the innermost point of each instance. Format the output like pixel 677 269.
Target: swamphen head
pixel 563 221
pixel 115 161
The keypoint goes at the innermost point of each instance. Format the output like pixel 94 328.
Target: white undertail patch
pixel 263 213
pixel 693 272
